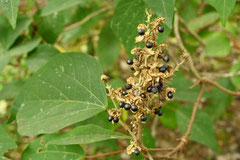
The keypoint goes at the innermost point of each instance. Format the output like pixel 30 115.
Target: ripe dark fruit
pixel 143 95
pixel 170 95
pixel 149 44
pixel 127 106
pixel 121 104
pixel 110 118
pixel 141 31
pixel 166 58
pixel 143 117
pixel 159 85
pixel 136 152
pixel 154 90
pixel 160 28
pixel 149 89
pixel 124 93
pixel 129 61
pixel 160 112
pixel 115 119
pixel 134 108
pixel 128 86
pixel 162 69
pixel 132 68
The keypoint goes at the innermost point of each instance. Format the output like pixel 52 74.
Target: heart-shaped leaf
pixel 66 90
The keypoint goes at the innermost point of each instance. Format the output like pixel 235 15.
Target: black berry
pixel 149 89
pixel 124 93
pixel 128 86
pixel 110 118
pixel 159 85
pixel 156 111
pixel 143 95
pixel 162 69
pixel 115 119
pixel 166 58
pixel 149 44
pixel 154 90
pixel 136 152
pixel 141 32
pixel 134 108
pixel 132 68
pixel 160 112
pixel 160 28
pixel 127 106
pixel 170 95
pixel 143 117
pixel 129 61
pixel 121 104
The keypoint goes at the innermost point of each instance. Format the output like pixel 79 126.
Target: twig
pixel 224 75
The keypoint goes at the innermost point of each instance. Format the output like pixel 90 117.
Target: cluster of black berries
pixel 113 119
pixel 158 111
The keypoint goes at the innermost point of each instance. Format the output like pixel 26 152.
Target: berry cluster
pixel 144 94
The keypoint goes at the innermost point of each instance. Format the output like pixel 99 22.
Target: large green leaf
pixel 8 35
pixel 108 48
pixel 11 90
pixel 203 21
pixel 4 59
pixel 164 9
pixel 40 56
pixel 55 6
pixel 224 8
pixel 169 114
pixel 51 26
pixel 5 141
pixel 127 16
pixel 182 84
pixel 218 45
pixel 66 90
pixel 86 134
pixel 202 129
pixel 10 8
pixel 218 101
pixel 236 79
pixel 39 150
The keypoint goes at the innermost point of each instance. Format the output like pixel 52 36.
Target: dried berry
pixel 141 31
pixel 154 90
pixel 137 57
pixel 160 28
pixel 129 61
pixel 134 108
pixel 166 58
pixel 149 44
pixel 170 95
pixel 127 106
pixel 128 86
pixel 110 118
pixel 115 119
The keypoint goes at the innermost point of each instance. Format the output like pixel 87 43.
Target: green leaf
pixel 10 8
pixel 218 45
pixel 51 26
pixel 169 114
pixel 8 35
pixel 11 90
pixel 86 134
pixel 24 47
pixel 224 8
pixel 108 48
pixel 127 16
pixel 65 91
pixel 236 79
pixel 218 101
pixel 5 141
pixel 202 129
pixel 55 6
pixel 181 84
pixel 4 59
pixel 40 56
pixel 163 9
pixel 147 138
pixel 39 150
pixel 203 21
pixel 116 82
